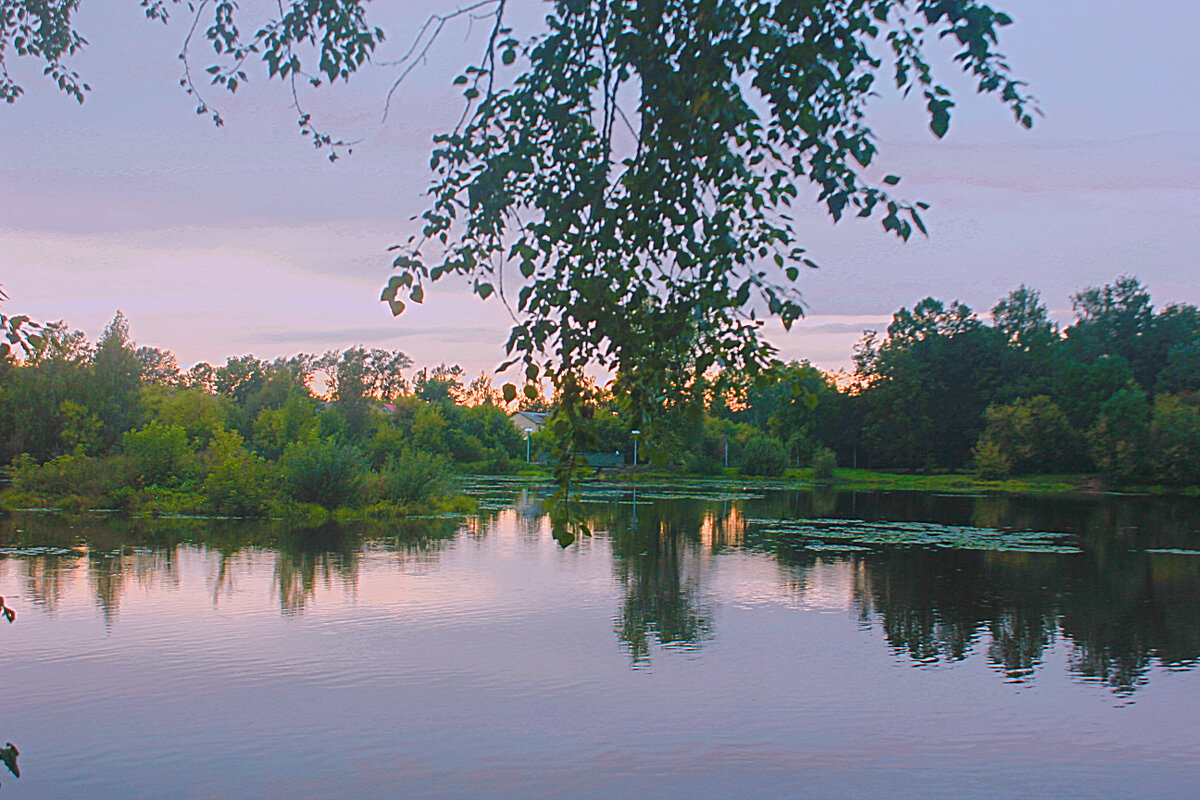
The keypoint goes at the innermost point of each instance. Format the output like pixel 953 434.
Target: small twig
pixel 416 53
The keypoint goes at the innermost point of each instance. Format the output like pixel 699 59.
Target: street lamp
pixel 528 431
pixel 636 434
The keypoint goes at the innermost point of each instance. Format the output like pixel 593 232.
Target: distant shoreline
pixel 954 483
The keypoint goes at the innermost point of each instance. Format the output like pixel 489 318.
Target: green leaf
pixel 892 180
pixel 510 392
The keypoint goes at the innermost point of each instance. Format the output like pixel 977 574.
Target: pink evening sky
pixel 218 242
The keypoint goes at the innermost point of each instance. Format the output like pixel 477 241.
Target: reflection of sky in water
pixel 496 664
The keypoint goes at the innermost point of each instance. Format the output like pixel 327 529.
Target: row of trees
pixel 1114 392
pixel 117 425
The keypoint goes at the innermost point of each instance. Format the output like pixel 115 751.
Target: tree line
pixel 113 425
pixel 1114 392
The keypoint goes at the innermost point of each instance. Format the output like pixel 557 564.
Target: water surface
pixel 707 641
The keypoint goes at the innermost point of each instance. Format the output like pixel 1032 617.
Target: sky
pixel 242 239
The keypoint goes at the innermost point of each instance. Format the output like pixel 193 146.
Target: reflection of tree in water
pixel 1119 618
pixel 313 557
pixel 934 606
pixel 308 558
pixel 46 579
pixel 1019 637
pixel 931 615
pixel 1138 610
pixel 109 572
pixel 118 553
pixel 1119 611
pixel 106 575
pixel 658 558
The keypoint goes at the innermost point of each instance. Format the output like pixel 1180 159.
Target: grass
pixel 867 480
pixel 951 482
pixel 864 480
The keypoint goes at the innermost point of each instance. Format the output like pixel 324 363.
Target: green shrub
pixel 824 462
pixel 276 428
pixel 465 448
pixel 200 414
pixel 700 463
pixel 241 483
pixel 156 500
pixel 322 472
pixel 159 455
pixel 498 464
pixel 764 456
pixel 1033 435
pixel 1175 442
pixel 991 464
pixel 81 429
pixel 91 478
pixel 429 429
pixel 414 476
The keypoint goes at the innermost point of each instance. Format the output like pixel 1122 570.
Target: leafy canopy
pixel 628 181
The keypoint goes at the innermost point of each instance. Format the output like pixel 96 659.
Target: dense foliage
pixel 114 425
pixel 1111 392
pixel 1115 392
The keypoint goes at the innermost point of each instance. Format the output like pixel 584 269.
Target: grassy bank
pixel 863 479
pixel 870 480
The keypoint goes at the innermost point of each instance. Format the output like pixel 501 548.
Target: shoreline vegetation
pixel 881 480
pixel 942 403
pixel 189 505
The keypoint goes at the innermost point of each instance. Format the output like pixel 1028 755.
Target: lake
pixel 706 640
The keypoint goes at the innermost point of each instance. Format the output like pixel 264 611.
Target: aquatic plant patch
pixel 915 534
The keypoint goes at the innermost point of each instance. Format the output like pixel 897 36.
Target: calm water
pixel 705 642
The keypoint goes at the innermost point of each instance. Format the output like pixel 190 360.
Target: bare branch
pixel 417 51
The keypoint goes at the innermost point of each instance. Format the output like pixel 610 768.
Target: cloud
pixel 378 334
pixel 842 327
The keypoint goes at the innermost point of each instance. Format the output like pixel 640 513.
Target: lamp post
pixel 528 432
pixel 636 434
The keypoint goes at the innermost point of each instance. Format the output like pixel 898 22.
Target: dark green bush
pixel 241 483
pixel 700 463
pixel 322 472
pixel 824 462
pixel 414 476
pixel 764 456
pixel 991 463
pixel 70 475
pixel 498 463
pixel 159 455
pixel 1033 435
pixel 1119 439
pixel 1175 441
